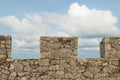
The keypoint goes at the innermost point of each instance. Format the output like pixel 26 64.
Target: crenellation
pixel 110 47
pixel 5 47
pixel 59 61
pixel 58 47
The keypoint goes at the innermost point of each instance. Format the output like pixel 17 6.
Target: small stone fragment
pixel 24 78
pixel 13 74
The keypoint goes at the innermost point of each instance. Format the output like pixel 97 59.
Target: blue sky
pixel 90 20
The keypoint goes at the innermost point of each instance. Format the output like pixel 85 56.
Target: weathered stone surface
pixel 94 70
pixel 13 74
pixel 68 75
pixel 2 37
pixel 44 62
pixel 107 70
pixel 11 67
pixel 5 71
pixel 24 78
pixel 88 74
pixel 27 68
pixel 21 74
pixel 43 69
pixel 2 56
pixel 33 78
pixel 11 78
pixel 105 64
pixel 60 72
pixel 58 47
pixel 107 46
pixel 55 62
pixel 18 67
pixel 5 46
pixel 110 47
pixel 65 53
pixel 59 61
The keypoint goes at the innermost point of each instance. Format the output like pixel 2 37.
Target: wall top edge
pixel 5 37
pixel 107 39
pixel 80 59
pixel 56 37
pixel 90 59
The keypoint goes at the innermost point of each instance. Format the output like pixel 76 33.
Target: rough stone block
pixel 18 67
pixel 110 47
pixel 55 62
pixel 58 47
pixel 5 46
pixel 44 62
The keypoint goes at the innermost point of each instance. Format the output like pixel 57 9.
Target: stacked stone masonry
pixel 59 61
pixel 5 47
pixel 110 47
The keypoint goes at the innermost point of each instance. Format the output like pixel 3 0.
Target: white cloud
pixel 24 46
pixel 88 24
pixel 62 34
pixel 84 22
pixel 27 32
pixel 25 43
pixel 25 25
pixel 90 49
pixel 19 43
pixel 83 42
pixel 77 10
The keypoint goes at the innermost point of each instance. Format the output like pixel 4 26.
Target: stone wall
pixel 59 62
pixel 110 47
pixel 60 69
pixel 58 47
pixel 5 47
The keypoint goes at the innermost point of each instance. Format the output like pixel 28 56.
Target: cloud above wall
pixel 84 22
pixel 88 24
pixel 24 25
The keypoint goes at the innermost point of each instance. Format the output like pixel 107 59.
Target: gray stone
pixel 55 62
pixel 94 70
pixel 107 46
pixel 27 68
pixel 44 62
pixel 106 40
pixel 18 67
pixel 88 74
pixel 5 71
pixel 107 70
pixel 13 74
pixel 24 78
pixel 105 64
pixel 21 74
pixel 65 53
pixel 39 78
pixel 11 78
pixel 33 78
pixel 2 56
pixel 68 75
pixel 11 67
pixel 60 72
pixel 43 69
